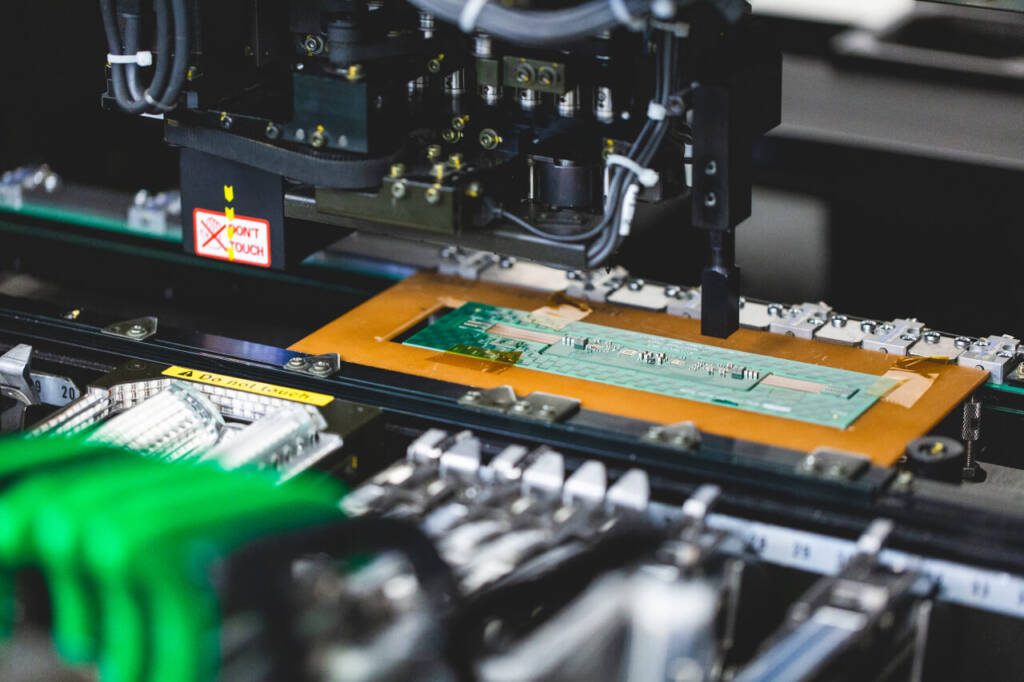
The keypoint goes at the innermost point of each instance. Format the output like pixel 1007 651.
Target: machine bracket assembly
pixel 16 375
pixel 682 436
pixel 537 406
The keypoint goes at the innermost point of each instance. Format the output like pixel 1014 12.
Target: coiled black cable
pixel 169 75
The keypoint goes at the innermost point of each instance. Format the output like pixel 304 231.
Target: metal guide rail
pixel 996 354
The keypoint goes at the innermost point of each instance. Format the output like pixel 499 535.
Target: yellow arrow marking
pixel 229 213
pixel 231 253
pixel 231 231
pixel 229 193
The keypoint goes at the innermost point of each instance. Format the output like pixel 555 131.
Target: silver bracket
pixel 994 354
pixel 469 265
pixel 683 302
pixel 681 436
pixel 138 329
pixel 802 321
pixel 894 338
pixel 321 366
pixel 936 345
pixel 844 330
pixel 639 294
pixel 754 315
pixel 834 464
pixel 537 406
pixel 16 375
pixel 596 285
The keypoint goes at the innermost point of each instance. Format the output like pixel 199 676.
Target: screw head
pixel 710 200
pixel 321 366
pixel 313 44
pixel 136 330
pixel 489 139
pixel 319 137
pixel 398 190
pixel 711 167
pixel 433 196
pixel 272 132
pixel 297 362
pixel 524 74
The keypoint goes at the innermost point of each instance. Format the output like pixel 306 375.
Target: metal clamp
pixel 994 354
pixel 537 406
pixel 834 464
pixel 321 366
pixel 894 338
pixel 681 436
pixel 138 329
pixel 802 321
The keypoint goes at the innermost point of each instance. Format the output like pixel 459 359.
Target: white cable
pixel 646 176
pixel 656 112
pixel 139 58
pixel 470 14
pixel 621 13
pixel 628 210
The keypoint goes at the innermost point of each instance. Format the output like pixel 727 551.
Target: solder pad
pixel 374 334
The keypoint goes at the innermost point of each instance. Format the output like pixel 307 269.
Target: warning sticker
pixel 258 387
pixel 226 236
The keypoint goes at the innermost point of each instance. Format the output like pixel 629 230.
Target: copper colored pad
pixel 364 336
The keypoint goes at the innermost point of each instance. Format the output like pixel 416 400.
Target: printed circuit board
pixel 806 392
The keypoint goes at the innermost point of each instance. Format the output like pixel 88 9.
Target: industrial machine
pixel 407 340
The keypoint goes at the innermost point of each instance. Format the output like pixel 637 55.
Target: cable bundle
pixel 620 201
pixel 125 58
pixel 552 27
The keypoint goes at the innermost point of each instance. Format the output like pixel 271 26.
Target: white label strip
pixel 975 587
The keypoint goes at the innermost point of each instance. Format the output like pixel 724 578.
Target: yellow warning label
pixel 258 387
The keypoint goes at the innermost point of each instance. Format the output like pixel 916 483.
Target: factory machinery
pixel 499 441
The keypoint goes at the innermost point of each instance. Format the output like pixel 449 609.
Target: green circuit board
pixel 746 381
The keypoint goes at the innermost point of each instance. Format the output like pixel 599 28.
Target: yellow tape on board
pixel 258 387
